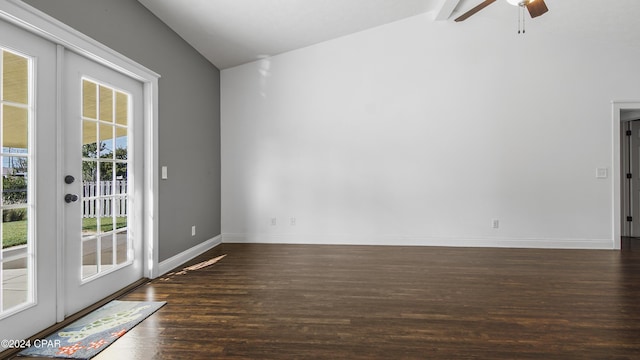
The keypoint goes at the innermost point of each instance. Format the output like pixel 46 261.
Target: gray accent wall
pixel 189 111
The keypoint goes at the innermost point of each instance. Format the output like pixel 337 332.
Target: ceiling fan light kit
pixel 535 8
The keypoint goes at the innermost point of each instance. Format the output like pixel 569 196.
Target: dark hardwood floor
pixel 371 302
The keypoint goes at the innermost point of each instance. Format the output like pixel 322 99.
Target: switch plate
pixel 602 173
pixel 193 230
pixel 164 173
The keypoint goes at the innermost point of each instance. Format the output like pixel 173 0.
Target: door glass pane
pixel 15 180
pixel 106 222
pixel 121 179
pixel 15 282
pixel 106 253
pixel 89 139
pixel 121 143
pixel 90 224
pixel 89 99
pixel 16 257
pixel 106 141
pixel 122 248
pixel 89 257
pixel 105 174
pixel 120 208
pixel 106 177
pixel 89 177
pixel 15 78
pixel 89 198
pixel 122 108
pixel 106 104
pixel 15 121
pixel 14 228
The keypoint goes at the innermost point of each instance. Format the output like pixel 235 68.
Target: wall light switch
pixel 164 173
pixel 602 173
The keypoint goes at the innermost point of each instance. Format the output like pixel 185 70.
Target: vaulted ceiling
pixel 232 32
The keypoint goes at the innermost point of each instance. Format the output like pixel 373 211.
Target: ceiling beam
pixel 444 11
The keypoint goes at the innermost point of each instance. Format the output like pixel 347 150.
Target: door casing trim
pixel 616 165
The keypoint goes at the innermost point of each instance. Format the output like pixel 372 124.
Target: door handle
pixel 69 198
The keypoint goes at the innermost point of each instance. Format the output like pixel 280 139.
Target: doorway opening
pixel 626 182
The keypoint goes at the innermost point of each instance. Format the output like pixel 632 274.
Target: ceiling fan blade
pixel 537 8
pixel 471 12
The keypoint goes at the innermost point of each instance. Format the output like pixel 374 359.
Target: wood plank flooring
pixel 371 302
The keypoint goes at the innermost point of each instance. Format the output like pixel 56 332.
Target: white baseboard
pixel 179 259
pixel 404 240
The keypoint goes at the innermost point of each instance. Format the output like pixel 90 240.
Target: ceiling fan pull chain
pixel 523 20
pixel 519 23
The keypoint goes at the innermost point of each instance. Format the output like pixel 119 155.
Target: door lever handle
pixel 69 198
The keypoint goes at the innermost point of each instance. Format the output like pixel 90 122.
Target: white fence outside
pixel 104 198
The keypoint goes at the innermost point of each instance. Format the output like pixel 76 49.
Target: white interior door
pixel 102 135
pixel 28 154
pixel 634 182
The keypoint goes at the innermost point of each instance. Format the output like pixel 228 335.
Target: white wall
pixel 421 133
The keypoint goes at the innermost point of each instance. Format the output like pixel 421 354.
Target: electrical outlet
pixel 193 230
pixel 495 223
pixel 292 221
pixel 274 221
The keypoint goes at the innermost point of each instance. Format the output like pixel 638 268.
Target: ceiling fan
pixel 535 7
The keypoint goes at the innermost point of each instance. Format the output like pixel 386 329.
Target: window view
pixel 16 258
pixel 105 200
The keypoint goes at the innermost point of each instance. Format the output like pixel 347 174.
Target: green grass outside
pixel 14 233
pixel 106 223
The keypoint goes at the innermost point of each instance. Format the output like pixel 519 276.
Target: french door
pixel 71 147
pixel 103 198
pixel 29 218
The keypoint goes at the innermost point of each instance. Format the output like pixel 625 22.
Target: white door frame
pixel 616 172
pixel 41 24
